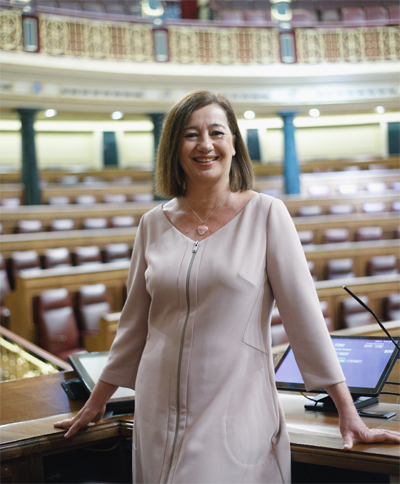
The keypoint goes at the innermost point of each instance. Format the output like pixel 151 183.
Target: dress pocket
pixel 256 330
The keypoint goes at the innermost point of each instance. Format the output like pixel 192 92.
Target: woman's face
pixel 207 147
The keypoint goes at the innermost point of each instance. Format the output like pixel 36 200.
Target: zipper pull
pixel 195 247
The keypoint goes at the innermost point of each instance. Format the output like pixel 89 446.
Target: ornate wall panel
pixel 348 45
pixel 10 29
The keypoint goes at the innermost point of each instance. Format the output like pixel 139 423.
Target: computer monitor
pixel 366 362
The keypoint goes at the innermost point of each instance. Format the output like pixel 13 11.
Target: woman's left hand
pixel 353 429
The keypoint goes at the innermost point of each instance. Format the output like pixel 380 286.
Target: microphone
pixel 373 314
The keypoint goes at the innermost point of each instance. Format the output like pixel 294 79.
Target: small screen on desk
pixel 89 367
pixel 366 363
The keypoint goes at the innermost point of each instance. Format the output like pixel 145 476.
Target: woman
pixel 194 335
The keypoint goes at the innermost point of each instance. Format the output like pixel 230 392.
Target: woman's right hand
pixel 92 411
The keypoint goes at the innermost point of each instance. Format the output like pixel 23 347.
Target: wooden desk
pixel 29 438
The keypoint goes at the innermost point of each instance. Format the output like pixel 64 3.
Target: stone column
pixel 291 165
pixel 30 174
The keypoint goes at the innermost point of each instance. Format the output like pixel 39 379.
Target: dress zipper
pixel 178 400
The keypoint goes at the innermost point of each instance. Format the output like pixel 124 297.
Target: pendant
pixel 202 229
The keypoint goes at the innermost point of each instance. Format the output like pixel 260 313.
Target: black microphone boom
pixel 373 314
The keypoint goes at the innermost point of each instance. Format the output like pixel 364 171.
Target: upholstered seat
pixel 311 266
pixel 85 199
pixel 376 187
pixel 69 180
pixel 381 265
pixel 353 314
pixel 94 223
pixel 58 200
pixel 62 224
pixel 114 198
pixel 396 206
pixel 4 290
pixel 373 207
pixel 342 209
pixel 29 226
pixel 121 221
pixel 353 14
pixel 376 13
pixel 57 327
pixel 116 252
pixel 86 255
pixel 333 236
pixel 310 211
pixel 142 197
pixel 392 307
pixel 319 190
pixel 10 202
pixel 347 189
pixel 59 257
pixel 339 269
pixel 23 261
pixel 306 237
pixel 92 304
pixel 369 233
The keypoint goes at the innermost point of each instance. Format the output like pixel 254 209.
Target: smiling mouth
pixel 205 160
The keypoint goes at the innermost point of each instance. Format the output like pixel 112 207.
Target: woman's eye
pixel 191 135
pixel 218 134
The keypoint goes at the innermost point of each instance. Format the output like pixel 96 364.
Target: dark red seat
pixel 333 236
pixel 142 197
pixel 57 327
pixel 116 252
pixel 26 260
pixel 94 223
pixel 85 199
pixel 61 225
pixel 58 201
pixel 10 202
pixel 392 307
pixel 121 221
pixel 394 12
pixel 257 16
pixel 93 7
pixel 310 211
pixel 373 207
pixel 114 198
pixel 376 13
pixel 397 233
pixel 369 233
pixel 59 257
pixel 353 14
pixel 304 15
pixel 4 290
pixel 87 255
pixel 340 209
pixel 353 314
pixel 29 226
pixel 231 16
pixel 339 269
pixel 382 265
pixel 306 237
pixel 92 303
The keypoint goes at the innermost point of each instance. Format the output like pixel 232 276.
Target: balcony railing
pixel 133 41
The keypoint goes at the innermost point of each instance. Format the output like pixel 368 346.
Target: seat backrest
pixel 85 199
pixel 92 304
pixel 114 198
pixel 93 7
pixel 94 223
pixel 311 267
pixel 310 211
pixel 332 236
pixel 394 12
pixel 59 257
pixel 392 307
pixel 116 252
pixel 396 206
pixel 353 14
pixel 369 233
pixel 69 180
pixel 331 15
pixel 304 15
pixel 306 237
pixel 120 221
pixel 59 225
pixel 86 255
pixel 397 233
pixel 58 331
pixel 352 314
pixel 29 226
pixel 337 209
pixel 381 265
pixel 319 190
pixel 4 282
pixel 256 16
pixel 376 13
pixel 231 15
pixel 339 268
pixel 10 202
pixel 373 207
pixel 25 260
pixel 376 187
pixel 142 197
pixel 347 189
pixel 58 201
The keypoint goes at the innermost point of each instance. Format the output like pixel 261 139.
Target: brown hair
pixel 169 176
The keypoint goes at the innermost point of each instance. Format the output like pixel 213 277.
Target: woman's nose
pixel 205 143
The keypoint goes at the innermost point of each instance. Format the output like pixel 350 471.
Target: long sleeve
pixel 127 348
pixel 298 303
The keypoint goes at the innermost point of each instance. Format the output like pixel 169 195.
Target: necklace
pixel 202 229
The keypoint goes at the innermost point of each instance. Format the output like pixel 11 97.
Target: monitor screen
pixel 366 362
pixel 89 367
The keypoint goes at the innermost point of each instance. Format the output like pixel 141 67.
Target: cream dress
pixel 194 342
